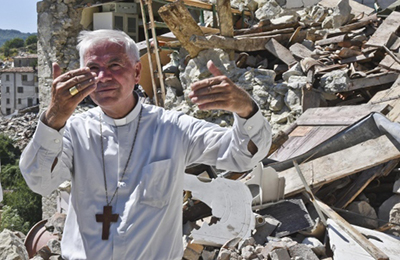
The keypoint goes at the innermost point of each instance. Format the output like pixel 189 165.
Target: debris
pixel 223 196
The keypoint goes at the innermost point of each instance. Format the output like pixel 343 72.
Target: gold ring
pixel 73 91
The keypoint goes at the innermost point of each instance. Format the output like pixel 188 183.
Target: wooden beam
pixel 340 164
pixel 343 115
pixel 280 51
pixel 182 25
pixel 372 80
pixel 388 27
pixel 242 44
pixel 225 21
pixel 360 239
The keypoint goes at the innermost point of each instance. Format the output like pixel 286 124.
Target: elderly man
pixel 126 160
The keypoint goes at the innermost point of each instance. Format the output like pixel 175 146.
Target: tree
pixel 14 43
pixel 25 206
pixel 31 40
pixel 8 152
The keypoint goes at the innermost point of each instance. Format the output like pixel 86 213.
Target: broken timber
pixel 340 164
pixel 182 25
pixel 374 251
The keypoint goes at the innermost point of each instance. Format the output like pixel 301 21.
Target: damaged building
pixel 326 76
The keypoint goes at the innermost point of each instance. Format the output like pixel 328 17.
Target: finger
pixel 56 70
pixel 81 79
pixel 213 69
pixel 206 83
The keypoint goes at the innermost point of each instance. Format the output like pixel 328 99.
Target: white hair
pixel 87 39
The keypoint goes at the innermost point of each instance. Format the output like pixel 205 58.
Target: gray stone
pixel 387 206
pixel 300 250
pixel 269 10
pixel 394 217
pixel 279 254
pixel 12 247
pixel 335 81
pixel 293 71
pixel 370 219
pixel 315 244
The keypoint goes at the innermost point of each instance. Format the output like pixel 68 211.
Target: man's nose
pixel 103 75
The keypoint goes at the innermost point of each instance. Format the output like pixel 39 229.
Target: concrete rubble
pixel 319 70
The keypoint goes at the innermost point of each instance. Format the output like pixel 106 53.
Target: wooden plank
pixel 382 35
pixel 372 80
pixel 344 115
pixel 389 63
pixel 181 24
pixel 145 77
pixel 393 93
pixel 304 138
pixel 354 234
pixel 363 57
pixel 339 164
pixel 279 51
pixel 225 21
pixel 351 192
pixel 336 39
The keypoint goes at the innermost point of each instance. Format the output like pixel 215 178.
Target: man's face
pixel 117 78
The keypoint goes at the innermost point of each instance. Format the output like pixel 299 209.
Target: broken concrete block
pixel 335 81
pixel 248 252
pixel 230 202
pixel 394 218
pixel 269 10
pixel 315 244
pixel 12 246
pixel 279 254
pixel 293 71
pixel 369 218
pixel 303 251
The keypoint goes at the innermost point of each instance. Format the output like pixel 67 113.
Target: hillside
pixel 6 35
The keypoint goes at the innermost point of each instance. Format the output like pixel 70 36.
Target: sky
pixel 19 15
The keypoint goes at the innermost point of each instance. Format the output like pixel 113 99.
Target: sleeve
pixel 37 160
pixel 226 148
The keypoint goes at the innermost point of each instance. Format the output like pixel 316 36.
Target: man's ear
pixel 138 71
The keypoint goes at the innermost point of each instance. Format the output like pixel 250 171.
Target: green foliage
pixel 25 206
pixel 31 40
pixel 14 43
pixel 8 152
pixel 12 221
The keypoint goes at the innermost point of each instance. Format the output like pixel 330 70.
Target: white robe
pixel 149 202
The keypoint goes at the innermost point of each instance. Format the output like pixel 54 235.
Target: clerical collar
pixel 125 120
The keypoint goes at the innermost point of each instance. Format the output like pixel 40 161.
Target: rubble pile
pixel 321 55
pixel 19 128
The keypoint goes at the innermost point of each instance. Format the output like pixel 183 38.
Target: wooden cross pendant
pixel 107 217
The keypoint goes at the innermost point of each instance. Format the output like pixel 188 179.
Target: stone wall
pixel 58 26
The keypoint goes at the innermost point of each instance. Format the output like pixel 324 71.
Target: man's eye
pixel 115 66
pixel 93 69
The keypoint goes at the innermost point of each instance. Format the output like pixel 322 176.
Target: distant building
pixel 19 84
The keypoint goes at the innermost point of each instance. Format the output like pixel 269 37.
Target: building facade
pixel 19 85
